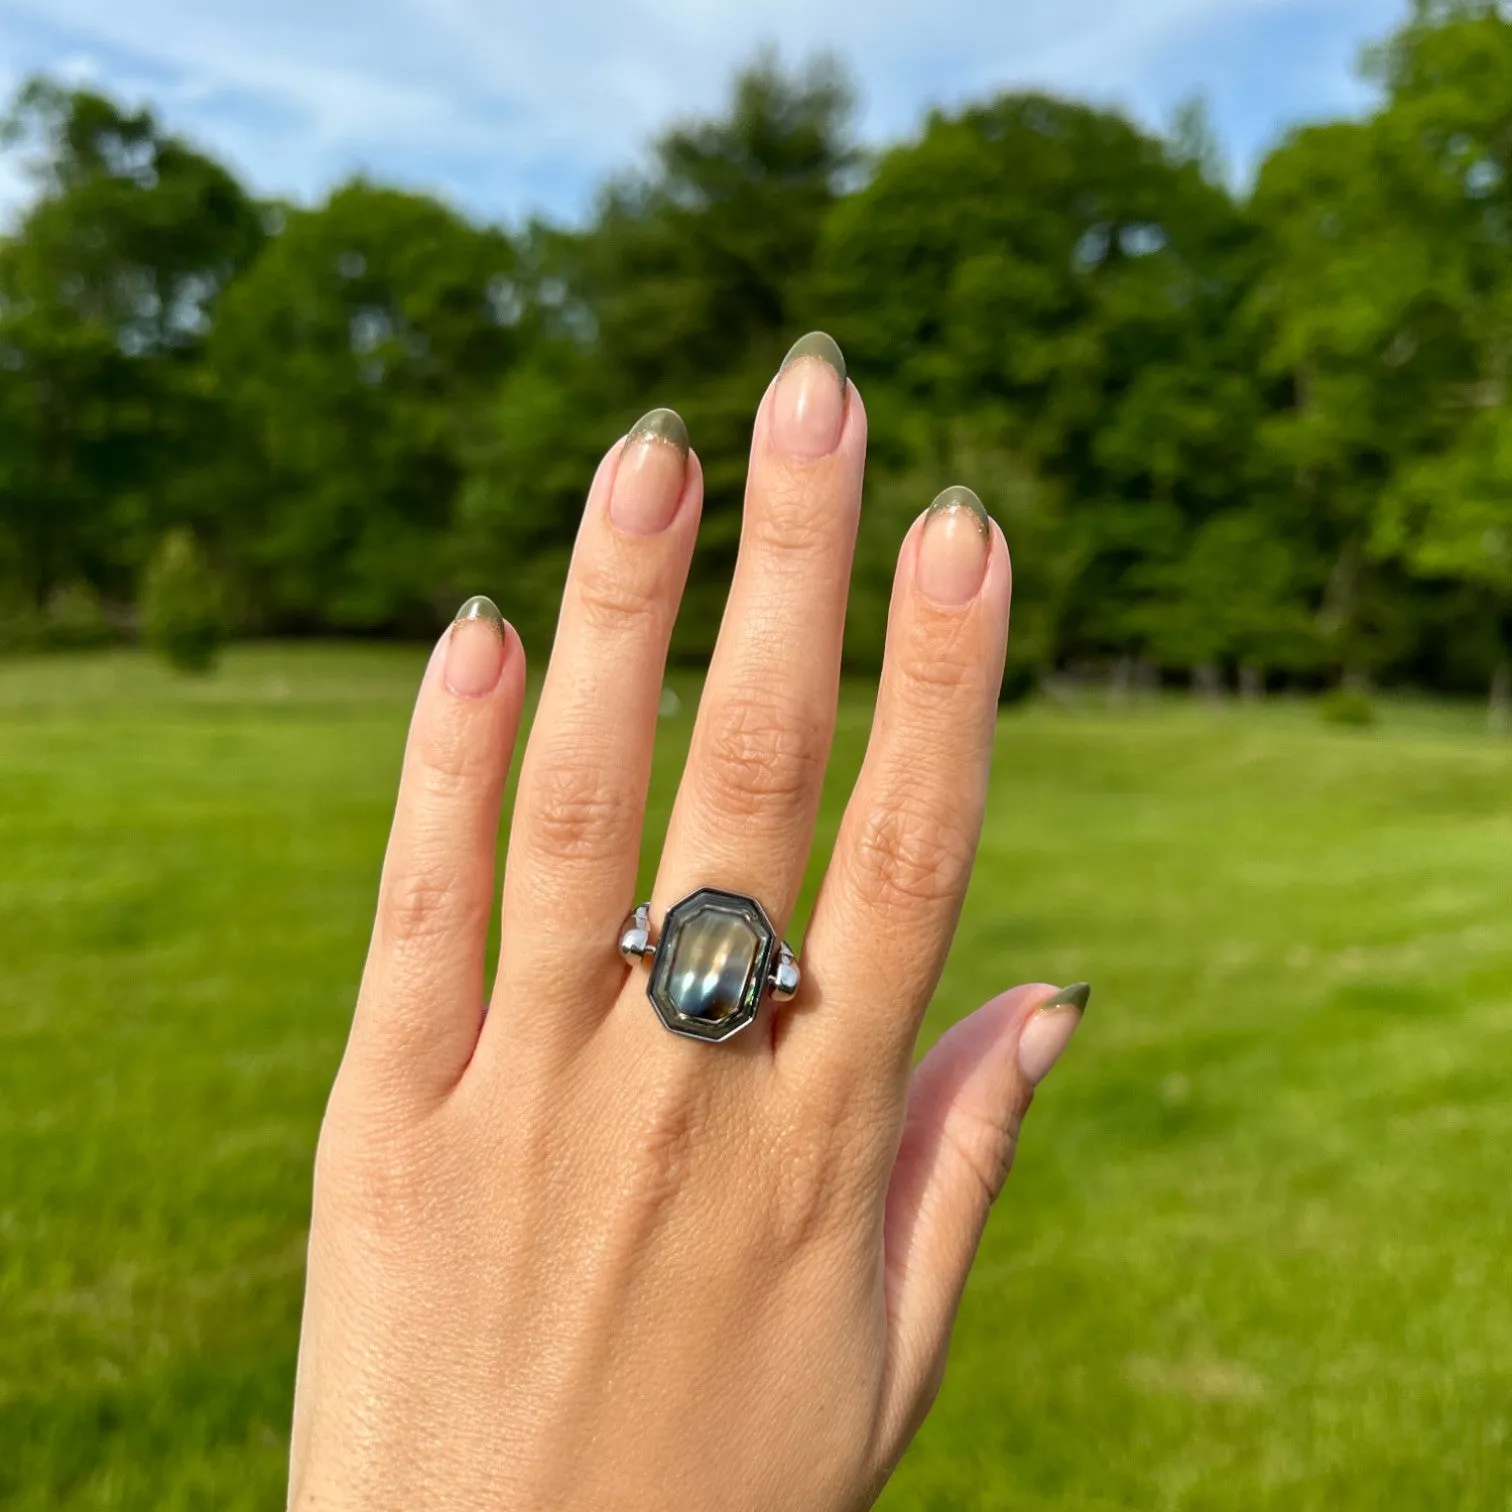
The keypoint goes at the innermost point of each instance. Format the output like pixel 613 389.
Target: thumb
pixel 967 1100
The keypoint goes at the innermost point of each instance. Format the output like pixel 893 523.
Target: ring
pixel 718 956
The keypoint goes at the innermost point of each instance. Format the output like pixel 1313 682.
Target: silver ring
pixel 717 958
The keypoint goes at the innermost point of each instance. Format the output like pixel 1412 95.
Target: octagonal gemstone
pixel 713 957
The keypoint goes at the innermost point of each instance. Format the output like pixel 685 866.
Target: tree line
pixel 1245 438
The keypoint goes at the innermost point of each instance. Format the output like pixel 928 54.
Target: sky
pixel 509 109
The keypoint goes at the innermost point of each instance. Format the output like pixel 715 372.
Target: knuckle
pixel 386 1192
pixel 613 596
pixel 664 1143
pixel 982 1149
pixel 453 760
pixel 937 666
pixel 420 905
pixel 800 1200
pixel 817 1182
pixel 576 814
pixel 672 1127
pixel 759 756
pixel 788 522
pixel 906 856
pixel 380 1182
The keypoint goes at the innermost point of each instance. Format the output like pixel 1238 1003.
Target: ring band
pixel 718 957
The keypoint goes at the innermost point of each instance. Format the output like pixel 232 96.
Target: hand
pixel 561 1258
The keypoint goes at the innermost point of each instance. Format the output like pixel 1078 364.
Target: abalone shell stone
pixel 713 956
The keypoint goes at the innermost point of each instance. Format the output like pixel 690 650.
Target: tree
pixel 1233 600
pixel 106 292
pixel 1031 514
pixel 1334 296
pixel 687 290
pixel 1194 139
pixel 1447 127
pixel 1067 282
pixel 700 263
pixel 183 609
pixel 1265 435
pixel 352 361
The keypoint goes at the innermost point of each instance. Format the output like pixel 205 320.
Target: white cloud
pixel 512 107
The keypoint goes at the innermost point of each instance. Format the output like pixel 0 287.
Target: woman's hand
pixel 560 1257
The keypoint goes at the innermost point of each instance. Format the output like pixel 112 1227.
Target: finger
pixel 574 843
pixel 887 911
pixel 744 815
pixel 965 1107
pixel 419 1008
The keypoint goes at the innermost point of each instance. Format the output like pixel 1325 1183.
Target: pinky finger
pixel 966 1103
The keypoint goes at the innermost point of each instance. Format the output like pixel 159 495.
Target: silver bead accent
pixel 635 943
pixel 786 976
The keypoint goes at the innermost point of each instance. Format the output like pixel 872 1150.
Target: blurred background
pixel 315 322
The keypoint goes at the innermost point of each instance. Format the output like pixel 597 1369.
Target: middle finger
pixel 744 815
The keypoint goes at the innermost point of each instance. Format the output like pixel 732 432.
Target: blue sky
pixel 509 108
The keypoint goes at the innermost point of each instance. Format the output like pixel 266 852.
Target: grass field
pixel 1256 1251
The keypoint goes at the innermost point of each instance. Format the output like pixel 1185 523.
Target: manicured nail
pixel 475 647
pixel 953 553
pixel 808 409
pixel 649 483
pixel 1049 1031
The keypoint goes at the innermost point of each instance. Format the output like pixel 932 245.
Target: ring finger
pixel 886 914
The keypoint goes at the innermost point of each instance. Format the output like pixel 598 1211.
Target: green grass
pixel 1254 1255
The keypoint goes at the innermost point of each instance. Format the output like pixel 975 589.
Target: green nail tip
pixel 1074 996
pixel 824 347
pixel 958 496
pixel 662 425
pixel 481 608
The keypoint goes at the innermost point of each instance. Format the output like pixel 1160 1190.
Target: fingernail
pixel 652 467
pixel 808 409
pixel 953 553
pixel 475 648
pixel 1049 1031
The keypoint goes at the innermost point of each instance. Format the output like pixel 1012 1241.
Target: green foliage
pixel 1195 140
pixel 75 618
pixel 699 263
pixel 1068 283
pixel 1388 296
pixel 518 512
pixel 1349 707
pixel 1231 598
pixel 349 361
pixel 183 609
pixel 107 289
pixel 686 290
pixel 22 625
pixel 1024 504
pixel 1258 437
